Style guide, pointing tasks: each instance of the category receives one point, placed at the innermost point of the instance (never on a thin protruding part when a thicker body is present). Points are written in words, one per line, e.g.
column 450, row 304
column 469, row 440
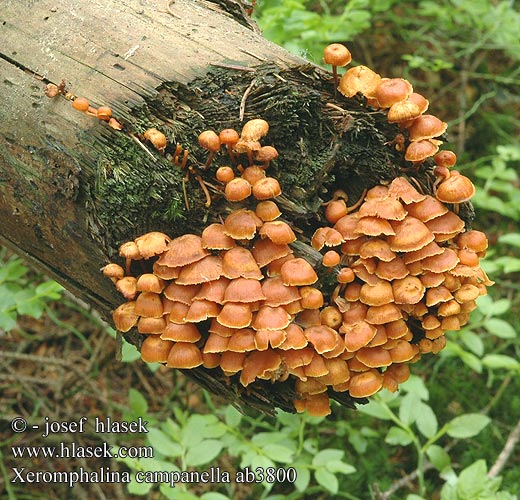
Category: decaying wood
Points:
column 72, row 189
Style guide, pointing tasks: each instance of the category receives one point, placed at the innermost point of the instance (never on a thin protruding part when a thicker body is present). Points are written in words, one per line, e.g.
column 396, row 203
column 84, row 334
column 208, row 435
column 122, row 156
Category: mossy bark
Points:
column 73, row 189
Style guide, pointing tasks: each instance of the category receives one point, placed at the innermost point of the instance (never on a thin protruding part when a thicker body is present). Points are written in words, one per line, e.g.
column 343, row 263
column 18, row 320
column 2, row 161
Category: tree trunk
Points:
column 73, row 189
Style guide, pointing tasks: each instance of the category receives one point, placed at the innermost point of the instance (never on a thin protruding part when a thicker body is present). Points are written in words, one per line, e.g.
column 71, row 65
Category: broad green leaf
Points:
column 49, row 289
column 193, row 431
column 326, row 479
column 500, row 328
column 471, row 360
column 398, row 437
column 472, row 480
column 263, row 438
column 323, row 456
column 338, row 466
column 438, row 457
column 136, row 488
column 466, row 426
column 303, row 477
column 496, row 361
column 7, row 320
column 162, row 443
column 416, row 386
column 408, row 411
column 375, row 409
column 278, row 453
column 203, row 452
column 129, row 353
column 232, row 416
column 426, row 421
column 137, row 402
column 473, row 342
column 510, row 239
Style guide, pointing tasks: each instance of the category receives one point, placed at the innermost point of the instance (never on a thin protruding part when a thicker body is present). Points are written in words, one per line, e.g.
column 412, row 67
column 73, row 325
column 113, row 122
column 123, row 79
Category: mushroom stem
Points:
column 208, row 161
column 358, row 203
column 231, row 154
column 335, row 75
column 205, row 189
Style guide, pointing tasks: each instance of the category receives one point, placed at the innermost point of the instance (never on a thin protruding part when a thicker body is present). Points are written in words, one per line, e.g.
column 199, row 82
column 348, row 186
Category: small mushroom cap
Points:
column 455, row 189
column 224, row 174
column 278, row 232
column 420, row 101
column 379, row 315
column 182, row 251
column 184, row 355
column 271, row 318
column 253, row 174
column 243, row 290
column 445, row 158
column 153, row 243
column 392, row 90
column 365, row 384
column 212, row 290
column 149, row 304
column 410, row 234
column 295, row 338
column 418, row 151
column 408, row 290
column 442, row 262
column 266, row 154
column 374, row 226
column 437, row 295
column 229, row 136
column 232, row 362
column 359, row 79
column 347, row 226
column 426, row 127
column 265, row 251
column 178, row 312
column 403, row 351
column 207, row 269
column 315, row 406
column 201, row 310
column 278, row 294
column 323, row 338
column 181, row 293
column 214, row 238
column 125, row 317
column 254, row 130
column 266, row 338
column 148, row 325
column 242, row 224
column 474, row 240
column 130, row 250
column 242, row 340
column 237, row 189
column 165, row 272
column 376, row 295
column 376, row 247
column 311, row 298
column 374, row 357
column 429, row 250
column 215, row 343
column 266, row 188
column 235, row 315
column 388, row 208
column 331, row 258
column 187, row 332
column 155, row 350
column 335, row 210
column 258, row 364
column 157, row 138
column 326, row 236
column 400, row 188
column 239, row 262
column 113, row 271
column 267, row 210
column 298, row 272
column 127, row 287
column 337, row 54
column 446, row 224
column 427, row 209
column 403, row 111
column 209, row 140
column 149, row 282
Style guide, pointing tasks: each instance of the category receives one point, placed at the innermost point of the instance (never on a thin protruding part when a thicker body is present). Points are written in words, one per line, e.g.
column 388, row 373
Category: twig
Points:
column 385, row 495
column 169, row 10
column 141, row 145
column 252, row 54
column 244, row 99
column 506, row 452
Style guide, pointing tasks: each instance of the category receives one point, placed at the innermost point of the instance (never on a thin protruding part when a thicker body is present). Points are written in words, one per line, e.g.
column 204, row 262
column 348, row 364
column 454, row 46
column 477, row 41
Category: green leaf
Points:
column 473, row 342
column 203, row 452
column 472, row 480
column 327, row 480
column 414, row 497
column 136, row 488
column 137, row 402
column 263, row 438
column 338, row 466
column 471, row 360
column 7, row 320
column 416, row 386
column 510, row 239
column 375, row 409
column 232, row 416
column 500, row 328
column 129, row 353
column 408, row 411
column 398, row 437
column 466, row 426
column 496, row 361
column 438, row 457
column 426, row 421
column 278, row 453
column 50, row 290
column 213, row 496
column 324, row 456
column 303, row 477
column 162, row 443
